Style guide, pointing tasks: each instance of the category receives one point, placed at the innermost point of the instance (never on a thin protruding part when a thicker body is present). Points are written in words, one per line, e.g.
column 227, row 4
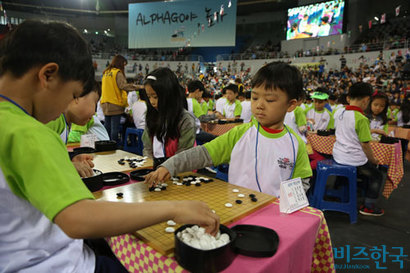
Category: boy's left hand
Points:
column 83, row 163
column 84, row 158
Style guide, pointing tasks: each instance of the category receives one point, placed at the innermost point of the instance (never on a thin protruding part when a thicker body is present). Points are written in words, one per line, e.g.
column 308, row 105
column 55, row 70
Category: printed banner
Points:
column 182, row 23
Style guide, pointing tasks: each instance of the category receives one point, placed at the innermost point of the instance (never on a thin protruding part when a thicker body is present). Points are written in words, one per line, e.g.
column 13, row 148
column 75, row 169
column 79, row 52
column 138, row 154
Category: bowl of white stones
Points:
column 198, row 251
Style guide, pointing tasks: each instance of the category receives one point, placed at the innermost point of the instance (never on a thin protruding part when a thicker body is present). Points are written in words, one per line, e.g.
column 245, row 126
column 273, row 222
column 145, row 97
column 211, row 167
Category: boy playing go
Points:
column 232, row 108
column 318, row 116
column 46, row 210
column 352, row 145
column 261, row 153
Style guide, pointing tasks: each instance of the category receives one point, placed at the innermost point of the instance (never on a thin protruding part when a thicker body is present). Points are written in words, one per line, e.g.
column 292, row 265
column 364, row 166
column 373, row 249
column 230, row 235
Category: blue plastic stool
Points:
column 136, row 145
column 347, row 194
column 222, row 172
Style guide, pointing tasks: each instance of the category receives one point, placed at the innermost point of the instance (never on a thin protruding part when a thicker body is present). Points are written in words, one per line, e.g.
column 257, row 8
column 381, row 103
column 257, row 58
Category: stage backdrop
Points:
column 182, row 23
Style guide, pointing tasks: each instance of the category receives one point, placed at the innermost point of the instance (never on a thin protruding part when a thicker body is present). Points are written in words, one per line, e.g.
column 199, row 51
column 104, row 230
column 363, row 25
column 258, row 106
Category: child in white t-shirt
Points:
column 246, row 108
column 376, row 112
column 352, row 145
column 262, row 153
column 319, row 117
column 232, row 108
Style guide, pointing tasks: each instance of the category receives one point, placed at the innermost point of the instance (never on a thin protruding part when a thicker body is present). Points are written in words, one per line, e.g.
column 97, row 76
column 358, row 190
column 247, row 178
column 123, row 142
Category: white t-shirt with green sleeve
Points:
column 323, row 119
column 37, row 181
column 352, row 128
column 377, row 123
column 296, row 119
column 232, row 110
column 274, row 153
column 195, row 109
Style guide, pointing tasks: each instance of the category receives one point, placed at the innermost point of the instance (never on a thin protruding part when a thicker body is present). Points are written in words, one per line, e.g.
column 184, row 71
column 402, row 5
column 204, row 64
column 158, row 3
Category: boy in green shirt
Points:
column 262, row 153
column 46, row 208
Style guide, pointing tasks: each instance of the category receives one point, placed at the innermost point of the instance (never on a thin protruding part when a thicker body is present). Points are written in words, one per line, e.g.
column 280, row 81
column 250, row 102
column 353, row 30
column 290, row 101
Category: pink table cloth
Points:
column 304, row 246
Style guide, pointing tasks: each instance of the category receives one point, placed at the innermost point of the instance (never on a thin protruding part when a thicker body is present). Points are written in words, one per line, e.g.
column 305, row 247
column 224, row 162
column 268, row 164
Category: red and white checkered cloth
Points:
column 387, row 154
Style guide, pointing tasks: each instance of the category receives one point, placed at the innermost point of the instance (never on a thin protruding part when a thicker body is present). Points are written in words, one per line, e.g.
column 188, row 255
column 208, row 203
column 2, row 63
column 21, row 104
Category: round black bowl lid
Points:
column 255, row 241
column 114, row 178
column 84, row 150
column 138, row 175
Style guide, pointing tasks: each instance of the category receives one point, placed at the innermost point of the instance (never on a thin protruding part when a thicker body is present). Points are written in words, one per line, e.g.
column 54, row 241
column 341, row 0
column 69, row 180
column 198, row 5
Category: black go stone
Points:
column 163, row 188
column 252, row 195
column 254, row 199
column 198, row 184
column 152, row 188
column 238, row 201
column 120, row 194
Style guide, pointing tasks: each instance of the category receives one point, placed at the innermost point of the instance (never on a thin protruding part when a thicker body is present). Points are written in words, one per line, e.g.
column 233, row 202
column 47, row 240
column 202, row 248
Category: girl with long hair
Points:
column 169, row 128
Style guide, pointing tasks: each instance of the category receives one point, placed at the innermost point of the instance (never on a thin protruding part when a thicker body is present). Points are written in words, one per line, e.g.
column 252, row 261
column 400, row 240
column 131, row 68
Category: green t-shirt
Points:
column 197, row 109
column 35, row 163
column 77, row 131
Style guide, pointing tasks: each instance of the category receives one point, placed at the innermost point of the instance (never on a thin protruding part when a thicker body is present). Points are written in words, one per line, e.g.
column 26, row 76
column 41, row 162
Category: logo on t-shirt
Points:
column 285, row 163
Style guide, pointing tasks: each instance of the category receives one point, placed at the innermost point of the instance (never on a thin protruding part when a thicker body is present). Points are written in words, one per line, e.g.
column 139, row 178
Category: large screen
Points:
column 182, row 23
column 316, row 20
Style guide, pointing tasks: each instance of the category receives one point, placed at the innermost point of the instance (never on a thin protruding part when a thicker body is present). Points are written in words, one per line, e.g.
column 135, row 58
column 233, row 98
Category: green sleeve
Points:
column 57, row 125
column 331, row 124
column 238, row 108
column 302, row 168
column 211, row 105
column 389, row 113
column 300, row 116
column 220, row 148
column 38, row 169
column 188, row 132
column 204, row 107
column 196, row 108
column 386, row 128
column 362, row 127
column 77, row 131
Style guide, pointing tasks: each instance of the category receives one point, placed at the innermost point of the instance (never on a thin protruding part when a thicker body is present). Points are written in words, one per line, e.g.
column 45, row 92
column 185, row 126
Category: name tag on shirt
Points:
column 88, row 140
column 292, row 196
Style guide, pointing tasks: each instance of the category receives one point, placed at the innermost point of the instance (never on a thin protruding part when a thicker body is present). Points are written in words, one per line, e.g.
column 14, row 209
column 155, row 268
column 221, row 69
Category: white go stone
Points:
column 228, row 205
column 171, row 223
column 197, row 238
column 164, row 184
column 169, row 229
column 241, row 195
column 157, row 189
column 235, row 190
column 213, row 211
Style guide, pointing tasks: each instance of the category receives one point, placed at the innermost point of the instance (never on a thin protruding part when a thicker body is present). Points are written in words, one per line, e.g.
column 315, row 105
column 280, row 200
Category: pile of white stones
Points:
column 196, row 237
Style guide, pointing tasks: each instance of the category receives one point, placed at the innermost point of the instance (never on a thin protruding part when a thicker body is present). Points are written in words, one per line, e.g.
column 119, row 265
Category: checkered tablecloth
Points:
column 218, row 129
column 387, row 154
column 137, row 256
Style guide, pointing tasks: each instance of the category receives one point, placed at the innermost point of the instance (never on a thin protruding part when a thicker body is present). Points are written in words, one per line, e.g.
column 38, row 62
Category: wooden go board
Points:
column 108, row 161
column 216, row 194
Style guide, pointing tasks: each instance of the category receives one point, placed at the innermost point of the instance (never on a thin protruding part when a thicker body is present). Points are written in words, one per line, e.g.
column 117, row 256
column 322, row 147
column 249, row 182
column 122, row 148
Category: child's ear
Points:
column 47, row 73
column 292, row 105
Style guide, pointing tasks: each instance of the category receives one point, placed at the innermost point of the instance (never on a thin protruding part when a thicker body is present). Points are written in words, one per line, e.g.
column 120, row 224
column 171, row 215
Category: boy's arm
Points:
column 367, row 149
column 92, row 219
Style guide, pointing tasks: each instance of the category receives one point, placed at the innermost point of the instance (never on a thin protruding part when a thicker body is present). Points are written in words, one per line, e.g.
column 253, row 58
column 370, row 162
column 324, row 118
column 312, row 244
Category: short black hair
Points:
column 282, row 76
column 360, row 90
column 332, row 97
column 35, row 43
column 232, row 87
column 248, row 95
column 194, row 85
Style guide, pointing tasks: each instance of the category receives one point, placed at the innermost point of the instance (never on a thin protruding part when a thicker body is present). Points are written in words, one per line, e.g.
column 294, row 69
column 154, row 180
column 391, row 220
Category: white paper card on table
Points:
column 292, row 196
column 88, row 140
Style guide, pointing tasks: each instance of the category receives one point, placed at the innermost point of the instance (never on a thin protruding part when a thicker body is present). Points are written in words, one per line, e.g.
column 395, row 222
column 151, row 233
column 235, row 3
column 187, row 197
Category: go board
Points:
column 216, row 194
column 108, row 161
